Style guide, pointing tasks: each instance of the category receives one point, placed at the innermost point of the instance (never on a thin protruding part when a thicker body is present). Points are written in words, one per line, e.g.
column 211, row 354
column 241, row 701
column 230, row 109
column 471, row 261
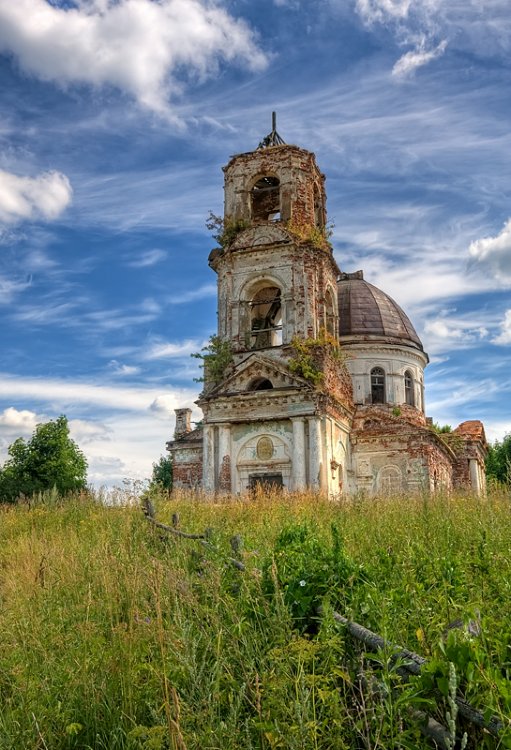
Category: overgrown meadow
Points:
column 116, row 634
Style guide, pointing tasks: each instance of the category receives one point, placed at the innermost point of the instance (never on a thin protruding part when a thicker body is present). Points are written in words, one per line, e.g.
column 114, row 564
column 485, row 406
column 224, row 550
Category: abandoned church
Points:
column 316, row 377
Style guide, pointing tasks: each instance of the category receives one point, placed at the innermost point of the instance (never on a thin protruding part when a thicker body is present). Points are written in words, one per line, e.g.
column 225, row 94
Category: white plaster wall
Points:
column 395, row 361
column 337, row 458
column 244, row 439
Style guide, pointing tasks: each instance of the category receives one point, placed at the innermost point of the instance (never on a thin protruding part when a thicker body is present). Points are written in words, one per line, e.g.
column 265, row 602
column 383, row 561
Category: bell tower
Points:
column 277, row 277
column 266, row 418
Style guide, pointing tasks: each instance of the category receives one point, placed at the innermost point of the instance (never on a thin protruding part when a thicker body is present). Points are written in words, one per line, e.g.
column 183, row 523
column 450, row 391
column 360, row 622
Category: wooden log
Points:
column 171, row 530
column 149, row 513
column 412, row 664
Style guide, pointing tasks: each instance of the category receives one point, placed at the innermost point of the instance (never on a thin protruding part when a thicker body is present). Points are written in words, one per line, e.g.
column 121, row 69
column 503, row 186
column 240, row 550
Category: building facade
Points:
column 316, row 377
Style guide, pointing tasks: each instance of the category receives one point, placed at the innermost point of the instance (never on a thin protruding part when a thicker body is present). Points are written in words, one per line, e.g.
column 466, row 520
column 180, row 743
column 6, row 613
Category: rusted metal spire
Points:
column 273, row 139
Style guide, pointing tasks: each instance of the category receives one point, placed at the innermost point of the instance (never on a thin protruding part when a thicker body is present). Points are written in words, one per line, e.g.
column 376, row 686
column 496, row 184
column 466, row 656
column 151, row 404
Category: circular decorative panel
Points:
column 264, row 449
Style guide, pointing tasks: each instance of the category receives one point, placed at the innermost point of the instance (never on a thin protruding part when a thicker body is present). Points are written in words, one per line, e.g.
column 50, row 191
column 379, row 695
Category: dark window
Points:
column 266, row 318
column 260, row 384
column 409, row 394
column 266, row 199
column 377, row 385
column 265, row 481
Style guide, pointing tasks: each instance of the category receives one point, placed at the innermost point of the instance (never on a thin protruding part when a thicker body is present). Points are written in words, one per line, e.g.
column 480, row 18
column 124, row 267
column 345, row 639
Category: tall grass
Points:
column 114, row 635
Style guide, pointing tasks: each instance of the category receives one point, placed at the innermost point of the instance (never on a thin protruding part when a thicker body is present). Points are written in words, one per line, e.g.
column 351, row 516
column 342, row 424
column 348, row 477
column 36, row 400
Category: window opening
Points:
column 260, row 384
column 409, row 395
column 266, row 318
column 377, row 385
column 265, row 482
column 266, row 199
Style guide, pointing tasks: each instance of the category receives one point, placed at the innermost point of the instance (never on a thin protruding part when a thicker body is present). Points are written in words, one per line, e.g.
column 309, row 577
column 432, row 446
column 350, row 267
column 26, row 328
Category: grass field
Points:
column 114, row 634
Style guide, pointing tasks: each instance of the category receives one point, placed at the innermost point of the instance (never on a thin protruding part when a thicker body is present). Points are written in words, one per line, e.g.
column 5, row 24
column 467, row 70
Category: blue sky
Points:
column 115, row 119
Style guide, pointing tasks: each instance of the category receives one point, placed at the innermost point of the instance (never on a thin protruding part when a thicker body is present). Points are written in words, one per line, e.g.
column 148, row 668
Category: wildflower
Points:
column 302, row 583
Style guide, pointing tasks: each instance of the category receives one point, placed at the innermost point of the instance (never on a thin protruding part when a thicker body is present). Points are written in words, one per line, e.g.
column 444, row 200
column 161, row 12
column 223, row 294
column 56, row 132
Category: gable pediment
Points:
column 255, row 368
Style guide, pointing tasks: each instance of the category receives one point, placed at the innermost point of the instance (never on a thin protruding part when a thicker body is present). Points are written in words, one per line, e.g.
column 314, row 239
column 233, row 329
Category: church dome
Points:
column 366, row 313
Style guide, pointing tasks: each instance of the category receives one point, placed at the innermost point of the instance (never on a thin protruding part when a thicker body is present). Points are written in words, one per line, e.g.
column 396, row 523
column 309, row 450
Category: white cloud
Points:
column 169, row 350
column 147, row 259
column 504, row 337
column 163, row 407
column 381, row 11
column 444, row 335
column 120, row 369
column 445, row 330
column 65, row 392
column 495, row 252
column 18, row 422
column 428, row 25
column 410, row 61
column 126, row 435
column 141, row 47
column 29, row 198
column 9, row 288
column 206, row 290
column 85, row 431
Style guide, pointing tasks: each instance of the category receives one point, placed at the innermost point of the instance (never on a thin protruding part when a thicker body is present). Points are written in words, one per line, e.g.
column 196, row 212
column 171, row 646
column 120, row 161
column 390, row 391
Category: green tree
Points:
column 162, row 473
column 498, row 460
column 49, row 459
column 216, row 359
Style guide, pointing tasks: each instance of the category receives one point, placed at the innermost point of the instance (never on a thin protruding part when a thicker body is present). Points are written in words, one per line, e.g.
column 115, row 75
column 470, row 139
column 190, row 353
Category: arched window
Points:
column 377, row 385
column 260, row 384
column 266, row 318
column 265, row 198
column 409, row 390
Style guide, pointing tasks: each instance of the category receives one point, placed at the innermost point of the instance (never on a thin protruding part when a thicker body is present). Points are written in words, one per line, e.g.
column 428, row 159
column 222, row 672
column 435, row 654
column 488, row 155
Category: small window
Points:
column 260, row 384
column 266, row 318
column 377, row 385
column 265, row 197
column 409, row 391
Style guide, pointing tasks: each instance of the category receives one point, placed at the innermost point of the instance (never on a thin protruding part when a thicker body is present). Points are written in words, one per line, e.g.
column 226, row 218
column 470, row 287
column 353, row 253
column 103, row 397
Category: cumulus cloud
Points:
column 28, row 198
column 66, row 392
column 85, row 431
column 22, row 423
column 504, row 337
column 446, row 330
column 163, row 406
column 18, row 422
column 410, row 61
column 495, row 253
column 141, row 47
column 444, row 335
